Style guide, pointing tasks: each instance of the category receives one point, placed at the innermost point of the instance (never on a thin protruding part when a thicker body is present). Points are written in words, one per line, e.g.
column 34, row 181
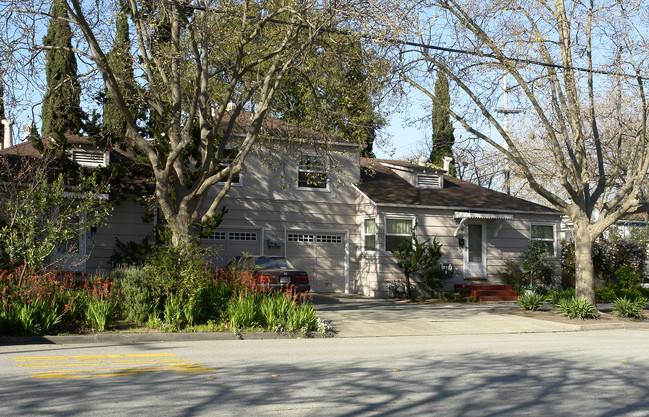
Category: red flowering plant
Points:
column 33, row 303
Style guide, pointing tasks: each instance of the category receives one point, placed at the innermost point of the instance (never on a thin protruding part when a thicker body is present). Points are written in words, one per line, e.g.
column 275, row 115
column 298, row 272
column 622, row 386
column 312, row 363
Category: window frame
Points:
column 226, row 162
column 366, row 235
column 540, row 239
column 324, row 172
column 386, row 234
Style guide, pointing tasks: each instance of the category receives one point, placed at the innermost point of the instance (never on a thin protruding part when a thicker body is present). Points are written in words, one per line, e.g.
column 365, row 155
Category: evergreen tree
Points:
column 61, row 111
column 2, row 108
column 332, row 93
column 443, row 138
column 121, row 62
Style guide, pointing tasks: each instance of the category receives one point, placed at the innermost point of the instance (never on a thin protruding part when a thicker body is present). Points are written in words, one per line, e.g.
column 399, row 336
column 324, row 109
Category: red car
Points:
column 273, row 272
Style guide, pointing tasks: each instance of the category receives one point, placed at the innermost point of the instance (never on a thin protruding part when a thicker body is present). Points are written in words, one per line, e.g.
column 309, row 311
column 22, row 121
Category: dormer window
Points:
column 430, row 181
column 91, row 158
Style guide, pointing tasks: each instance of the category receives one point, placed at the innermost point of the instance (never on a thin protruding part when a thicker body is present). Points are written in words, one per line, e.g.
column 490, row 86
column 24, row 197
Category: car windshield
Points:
column 272, row 263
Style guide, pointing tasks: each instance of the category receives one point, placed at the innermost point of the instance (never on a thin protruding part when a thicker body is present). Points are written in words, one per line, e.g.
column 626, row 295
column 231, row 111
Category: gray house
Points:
column 311, row 198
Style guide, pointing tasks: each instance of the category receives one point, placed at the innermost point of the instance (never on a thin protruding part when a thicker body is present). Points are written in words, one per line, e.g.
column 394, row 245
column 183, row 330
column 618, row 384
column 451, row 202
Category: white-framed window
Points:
column 369, row 235
column 226, row 161
column 544, row 233
column 312, row 172
column 398, row 231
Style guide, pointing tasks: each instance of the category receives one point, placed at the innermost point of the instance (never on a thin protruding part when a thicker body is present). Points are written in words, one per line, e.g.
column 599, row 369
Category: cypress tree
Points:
column 443, row 138
column 61, row 111
column 121, row 63
column 2, row 108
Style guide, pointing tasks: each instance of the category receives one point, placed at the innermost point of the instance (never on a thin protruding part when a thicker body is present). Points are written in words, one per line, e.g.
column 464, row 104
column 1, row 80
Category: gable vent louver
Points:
column 89, row 158
column 429, row 181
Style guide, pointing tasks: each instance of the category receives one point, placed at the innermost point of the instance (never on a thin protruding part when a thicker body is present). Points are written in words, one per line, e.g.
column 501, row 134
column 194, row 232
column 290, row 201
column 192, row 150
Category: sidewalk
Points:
column 356, row 316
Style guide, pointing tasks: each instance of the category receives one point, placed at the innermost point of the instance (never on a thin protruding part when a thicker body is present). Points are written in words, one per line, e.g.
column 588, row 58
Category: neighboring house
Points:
column 311, row 198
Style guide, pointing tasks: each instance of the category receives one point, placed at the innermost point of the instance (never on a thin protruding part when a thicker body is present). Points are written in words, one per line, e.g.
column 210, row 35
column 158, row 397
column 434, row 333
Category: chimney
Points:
column 8, row 133
column 27, row 132
column 422, row 161
column 447, row 164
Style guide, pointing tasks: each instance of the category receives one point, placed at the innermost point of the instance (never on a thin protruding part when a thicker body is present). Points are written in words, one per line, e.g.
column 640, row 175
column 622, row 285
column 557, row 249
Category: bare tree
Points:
column 202, row 65
column 577, row 70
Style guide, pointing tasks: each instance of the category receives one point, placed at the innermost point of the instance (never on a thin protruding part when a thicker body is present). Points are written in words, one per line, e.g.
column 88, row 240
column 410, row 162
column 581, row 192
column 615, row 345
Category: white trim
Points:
column 412, row 219
column 483, row 245
column 554, row 234
column 364, row 195
column 325, row 160
column 301, row 140
column 363, row 234
column 451, row 208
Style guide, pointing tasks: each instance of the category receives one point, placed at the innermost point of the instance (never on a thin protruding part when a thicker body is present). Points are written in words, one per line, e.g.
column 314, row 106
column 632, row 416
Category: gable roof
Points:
column 278, row 128
column 384, row 187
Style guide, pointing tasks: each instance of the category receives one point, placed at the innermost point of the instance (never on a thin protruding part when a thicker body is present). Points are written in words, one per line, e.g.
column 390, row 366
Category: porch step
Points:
column 488, row 292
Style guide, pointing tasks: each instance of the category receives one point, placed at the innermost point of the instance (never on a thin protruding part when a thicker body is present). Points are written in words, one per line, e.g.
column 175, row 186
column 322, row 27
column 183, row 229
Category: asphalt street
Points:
column 587, row 373
column 386, row 358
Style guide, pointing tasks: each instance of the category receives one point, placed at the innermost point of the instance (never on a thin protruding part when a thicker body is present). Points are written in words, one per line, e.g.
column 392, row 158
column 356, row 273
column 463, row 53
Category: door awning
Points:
column 463, row 216
column 486, row 216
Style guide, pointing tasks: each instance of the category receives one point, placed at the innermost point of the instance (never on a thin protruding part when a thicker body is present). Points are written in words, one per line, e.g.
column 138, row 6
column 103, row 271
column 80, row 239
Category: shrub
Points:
column 630, row 307
column 554, row 297
column 173, row 312
column 275, row 309
column 433, row 279
column 536, row 265
column 528, row 301
column 244, row 310
column 302, row 318
column 511, row 274
column 101, row 302
column 577, row 308
column 608, row 259
column 138, row 293
column 33, row 303
column 99, row 313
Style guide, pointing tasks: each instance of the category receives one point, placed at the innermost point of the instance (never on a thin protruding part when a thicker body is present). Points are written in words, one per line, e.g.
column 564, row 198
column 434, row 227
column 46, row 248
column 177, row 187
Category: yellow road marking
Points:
column 100, row 366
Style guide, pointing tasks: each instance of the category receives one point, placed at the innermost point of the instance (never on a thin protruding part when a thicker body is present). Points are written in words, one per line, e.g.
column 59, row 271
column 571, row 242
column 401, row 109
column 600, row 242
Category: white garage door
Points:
column 322, row 256
column 234, row 242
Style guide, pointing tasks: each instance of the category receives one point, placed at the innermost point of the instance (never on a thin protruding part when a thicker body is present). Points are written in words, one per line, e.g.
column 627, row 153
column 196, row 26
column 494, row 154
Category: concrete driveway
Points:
column 356, row 316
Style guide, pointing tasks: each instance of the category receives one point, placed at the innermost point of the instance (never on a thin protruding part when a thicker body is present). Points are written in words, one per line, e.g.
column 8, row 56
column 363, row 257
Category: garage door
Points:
column 234, row 242
column 322, row 256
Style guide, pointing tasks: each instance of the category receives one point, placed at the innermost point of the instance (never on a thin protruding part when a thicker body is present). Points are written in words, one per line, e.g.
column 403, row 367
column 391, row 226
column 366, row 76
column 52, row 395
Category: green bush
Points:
column 302, row 318
column 99, row 313
column 577, row 308
column 555, row 296
column 630, row 307
column 275, row 309
column 511, row 274
column 529, row 301
column 244, row 311
column 138, row 293
column 532, row 269
column 173, row 312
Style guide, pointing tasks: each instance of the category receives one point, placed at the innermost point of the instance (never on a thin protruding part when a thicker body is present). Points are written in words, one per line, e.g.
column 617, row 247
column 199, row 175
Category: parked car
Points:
column 272, row 272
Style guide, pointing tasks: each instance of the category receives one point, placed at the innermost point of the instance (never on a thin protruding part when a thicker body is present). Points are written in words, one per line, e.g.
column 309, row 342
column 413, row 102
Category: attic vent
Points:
column 89, row 158
column 429, row 181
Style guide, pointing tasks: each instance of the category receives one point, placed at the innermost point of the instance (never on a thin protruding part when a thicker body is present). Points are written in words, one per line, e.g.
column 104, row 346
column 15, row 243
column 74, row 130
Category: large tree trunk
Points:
column 585, row 271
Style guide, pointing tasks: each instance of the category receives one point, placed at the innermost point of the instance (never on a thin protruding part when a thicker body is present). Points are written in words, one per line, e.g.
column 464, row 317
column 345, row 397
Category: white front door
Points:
column 475, row 251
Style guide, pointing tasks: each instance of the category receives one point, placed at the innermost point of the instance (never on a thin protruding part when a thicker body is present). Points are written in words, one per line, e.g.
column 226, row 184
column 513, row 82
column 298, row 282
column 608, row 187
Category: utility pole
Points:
column 506, row 111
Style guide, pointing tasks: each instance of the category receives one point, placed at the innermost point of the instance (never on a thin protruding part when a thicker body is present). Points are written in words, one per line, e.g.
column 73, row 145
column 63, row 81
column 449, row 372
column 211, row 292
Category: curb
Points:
column 126, row 338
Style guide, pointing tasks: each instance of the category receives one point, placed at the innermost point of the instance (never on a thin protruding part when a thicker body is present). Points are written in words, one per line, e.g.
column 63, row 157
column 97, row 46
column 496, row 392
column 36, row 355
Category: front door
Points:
column 475, row 251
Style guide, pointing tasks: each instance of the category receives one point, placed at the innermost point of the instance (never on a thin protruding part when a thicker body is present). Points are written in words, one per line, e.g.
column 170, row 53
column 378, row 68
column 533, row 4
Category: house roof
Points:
column 280, row 129
column 384, row 187
column 28, row 150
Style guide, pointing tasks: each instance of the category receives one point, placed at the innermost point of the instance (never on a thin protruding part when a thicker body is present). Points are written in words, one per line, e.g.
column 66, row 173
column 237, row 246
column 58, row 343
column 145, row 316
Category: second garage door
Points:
column 322, row 256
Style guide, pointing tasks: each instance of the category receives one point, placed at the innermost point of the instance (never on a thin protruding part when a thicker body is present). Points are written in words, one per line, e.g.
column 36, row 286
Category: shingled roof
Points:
column 384, row 187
